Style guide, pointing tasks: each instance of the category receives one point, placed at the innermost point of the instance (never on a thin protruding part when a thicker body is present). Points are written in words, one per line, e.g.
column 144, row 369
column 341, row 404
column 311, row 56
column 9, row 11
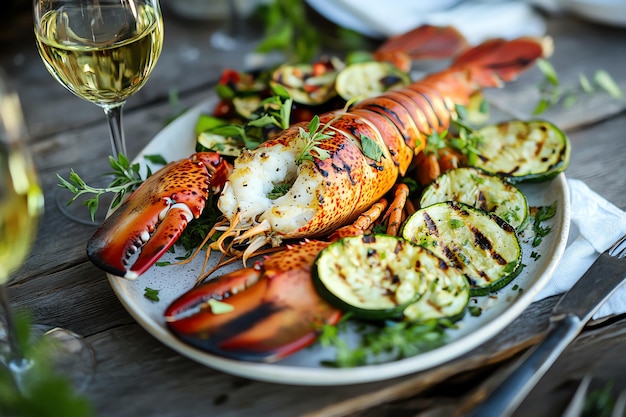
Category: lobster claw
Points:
column 262, row 314
column 150, row 221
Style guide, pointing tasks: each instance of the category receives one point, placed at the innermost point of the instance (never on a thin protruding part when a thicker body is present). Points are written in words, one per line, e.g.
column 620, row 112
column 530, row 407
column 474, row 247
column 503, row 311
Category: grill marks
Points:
column 474, row 241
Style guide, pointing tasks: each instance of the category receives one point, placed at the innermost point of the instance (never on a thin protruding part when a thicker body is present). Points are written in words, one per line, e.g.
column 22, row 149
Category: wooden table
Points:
column 138, row 376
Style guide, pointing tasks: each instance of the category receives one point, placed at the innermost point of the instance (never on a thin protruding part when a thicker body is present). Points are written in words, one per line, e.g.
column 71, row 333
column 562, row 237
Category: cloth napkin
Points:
column 476, row 20
column 595, row 225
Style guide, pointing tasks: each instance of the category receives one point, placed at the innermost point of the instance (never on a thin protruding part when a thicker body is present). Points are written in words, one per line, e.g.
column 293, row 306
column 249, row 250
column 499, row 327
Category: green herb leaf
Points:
column 126, row 178
column 543, row 213
column 278, row 191
column 151, row 294
column 370, row 148
column 548, row 71
column 220, row 307
column 155, row 159
column 394, row 340
column 309, row 140
column 606, row 82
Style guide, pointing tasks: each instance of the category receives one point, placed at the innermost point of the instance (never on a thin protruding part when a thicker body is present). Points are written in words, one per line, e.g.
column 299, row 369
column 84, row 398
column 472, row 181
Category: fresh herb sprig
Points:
column 310, row 140
column 126, row 177
column 540, row 231
column 553, row 92
column 272, row 111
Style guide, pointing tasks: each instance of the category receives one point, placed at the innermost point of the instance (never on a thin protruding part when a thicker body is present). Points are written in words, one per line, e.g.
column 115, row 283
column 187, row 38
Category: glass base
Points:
column 72, row 357
column 55, row 355
column 79, row 212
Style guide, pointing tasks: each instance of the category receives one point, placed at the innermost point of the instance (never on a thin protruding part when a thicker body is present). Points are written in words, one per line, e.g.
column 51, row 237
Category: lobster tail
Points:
column 424, row 42
column 496, row 61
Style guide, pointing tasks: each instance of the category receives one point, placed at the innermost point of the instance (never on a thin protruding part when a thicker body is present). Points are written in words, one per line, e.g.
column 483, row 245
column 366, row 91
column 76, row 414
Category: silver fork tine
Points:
column 577, row 403
column 620, row 405
column 618, row 249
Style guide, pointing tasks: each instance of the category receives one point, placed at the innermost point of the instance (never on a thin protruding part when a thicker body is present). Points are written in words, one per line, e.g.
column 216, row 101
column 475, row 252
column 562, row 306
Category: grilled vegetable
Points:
column 531, row 151
column 481, row 244
column 479, row 189
column 310, row 84
column 369, row 79
column 382, row 276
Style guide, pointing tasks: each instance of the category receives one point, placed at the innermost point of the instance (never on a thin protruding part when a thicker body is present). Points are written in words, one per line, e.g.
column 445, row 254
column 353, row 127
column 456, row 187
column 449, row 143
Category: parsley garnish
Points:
column 151, row 294
column 278, row 191
column 390, row 341
column 543, row 213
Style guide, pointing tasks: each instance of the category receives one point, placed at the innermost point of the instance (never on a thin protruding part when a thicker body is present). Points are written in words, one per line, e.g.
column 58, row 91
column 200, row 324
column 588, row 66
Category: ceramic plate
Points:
column 177, row 141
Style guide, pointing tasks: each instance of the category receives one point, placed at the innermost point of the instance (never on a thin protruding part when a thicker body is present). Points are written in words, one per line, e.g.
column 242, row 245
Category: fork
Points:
column 506, row 391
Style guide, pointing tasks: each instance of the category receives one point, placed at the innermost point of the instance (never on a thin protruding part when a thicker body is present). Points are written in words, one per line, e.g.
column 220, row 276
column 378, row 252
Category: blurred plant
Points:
column 600, row 402
column 553, row 92
column 288, row 29
column 41, row 392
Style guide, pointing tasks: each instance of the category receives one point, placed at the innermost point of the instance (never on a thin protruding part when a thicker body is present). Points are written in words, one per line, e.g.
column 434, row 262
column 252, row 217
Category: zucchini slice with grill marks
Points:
column 386, row 277
column 479, row 189
column 481, row 244
column 531, row 151
column 369, row 79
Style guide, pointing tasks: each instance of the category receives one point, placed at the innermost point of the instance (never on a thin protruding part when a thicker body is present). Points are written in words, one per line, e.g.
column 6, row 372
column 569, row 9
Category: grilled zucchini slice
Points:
column 523, row 151
column 481, row 244
column 386, row 277
column 369, row 79
column 479, row 189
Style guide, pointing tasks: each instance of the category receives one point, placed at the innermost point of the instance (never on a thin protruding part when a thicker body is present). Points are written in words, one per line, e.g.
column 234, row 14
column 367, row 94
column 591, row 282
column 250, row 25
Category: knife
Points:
column 503, row 393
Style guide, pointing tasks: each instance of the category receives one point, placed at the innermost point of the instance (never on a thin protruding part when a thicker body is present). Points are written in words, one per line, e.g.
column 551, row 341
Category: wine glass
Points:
column 231, row 35
column 21, row 205
column 103, row 51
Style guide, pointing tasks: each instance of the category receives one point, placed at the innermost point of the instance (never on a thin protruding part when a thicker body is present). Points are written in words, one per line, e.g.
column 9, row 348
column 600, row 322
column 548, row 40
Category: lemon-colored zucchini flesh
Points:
column 382, row 277
column 523, row 150
column 482, row 245
column 479, row 189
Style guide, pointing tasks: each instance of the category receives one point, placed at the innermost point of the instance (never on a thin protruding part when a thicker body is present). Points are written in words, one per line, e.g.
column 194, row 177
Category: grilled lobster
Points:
column 272, row 308
column 325, row 193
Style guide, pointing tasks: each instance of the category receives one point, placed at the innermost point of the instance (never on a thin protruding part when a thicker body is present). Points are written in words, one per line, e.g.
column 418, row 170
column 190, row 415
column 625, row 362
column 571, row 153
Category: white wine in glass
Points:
column 103, row 51
column 21, row 205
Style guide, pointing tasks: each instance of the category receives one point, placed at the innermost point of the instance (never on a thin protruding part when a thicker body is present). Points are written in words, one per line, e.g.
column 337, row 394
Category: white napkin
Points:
column 595, row 225
column 476, row 20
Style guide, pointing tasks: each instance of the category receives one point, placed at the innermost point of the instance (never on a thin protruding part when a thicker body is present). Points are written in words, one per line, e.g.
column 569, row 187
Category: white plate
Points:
column 177, row 141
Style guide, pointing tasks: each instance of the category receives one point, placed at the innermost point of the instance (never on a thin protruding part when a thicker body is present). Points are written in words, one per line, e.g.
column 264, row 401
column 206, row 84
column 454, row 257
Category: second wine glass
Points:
column 103, row 51
column 21, row 206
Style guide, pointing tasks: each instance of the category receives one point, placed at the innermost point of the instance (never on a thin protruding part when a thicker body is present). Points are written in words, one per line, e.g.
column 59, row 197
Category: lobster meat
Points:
column 324, row 193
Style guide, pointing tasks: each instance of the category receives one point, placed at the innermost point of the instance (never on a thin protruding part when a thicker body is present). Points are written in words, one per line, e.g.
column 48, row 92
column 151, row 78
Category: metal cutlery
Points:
column 502, row 394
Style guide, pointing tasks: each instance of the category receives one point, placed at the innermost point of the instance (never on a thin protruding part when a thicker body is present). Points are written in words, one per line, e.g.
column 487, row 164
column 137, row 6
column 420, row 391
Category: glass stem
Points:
column 114, row 117
column 15, row 361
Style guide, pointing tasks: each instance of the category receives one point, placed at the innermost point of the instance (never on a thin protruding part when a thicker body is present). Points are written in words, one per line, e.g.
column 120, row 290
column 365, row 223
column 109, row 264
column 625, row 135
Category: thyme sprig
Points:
column 126, row 177
column 308, row 141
